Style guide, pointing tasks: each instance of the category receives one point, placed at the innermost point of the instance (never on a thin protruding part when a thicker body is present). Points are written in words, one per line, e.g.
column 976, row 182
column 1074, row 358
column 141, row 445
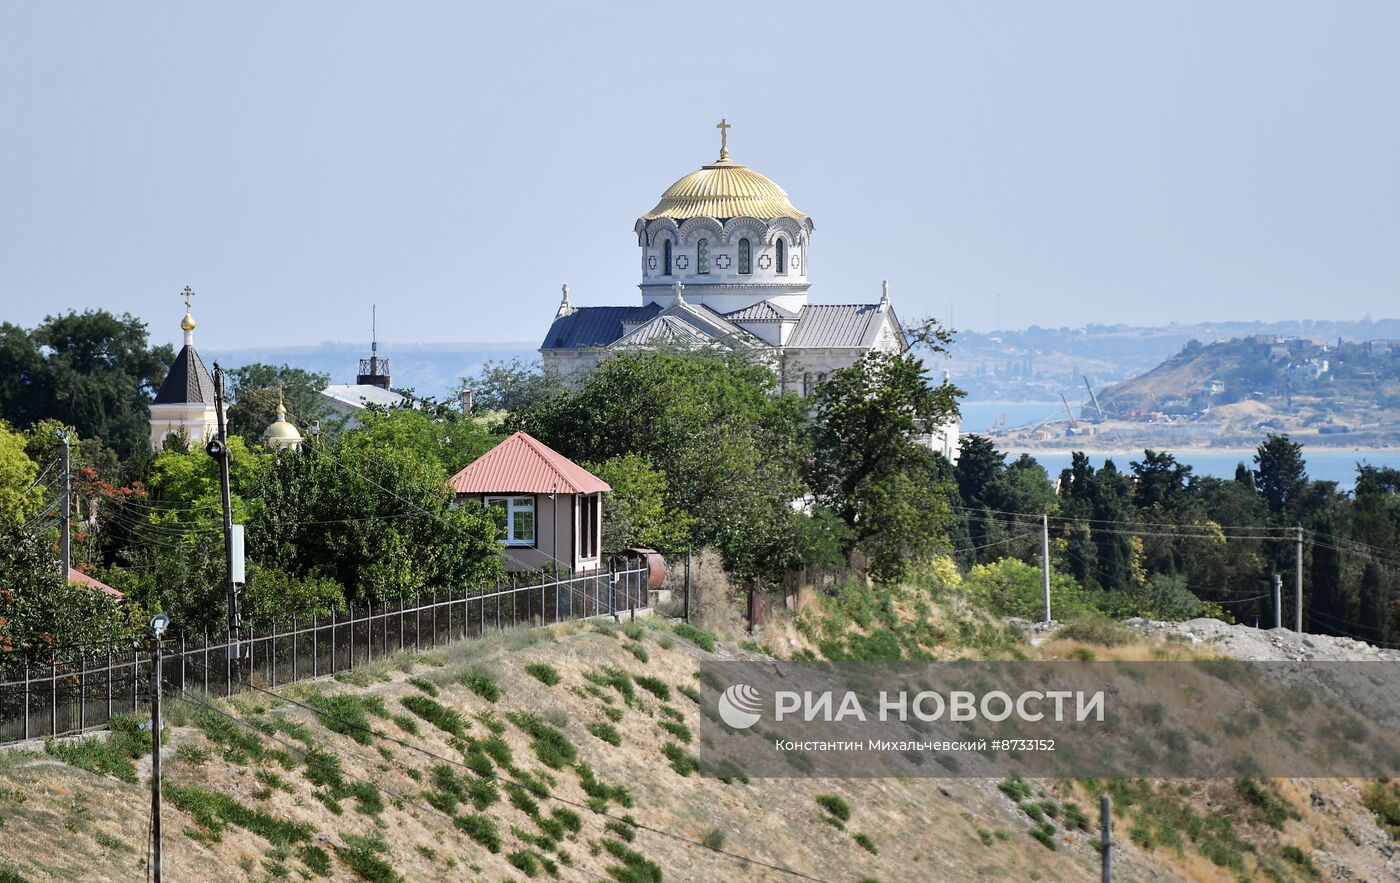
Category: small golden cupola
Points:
column 282, row 435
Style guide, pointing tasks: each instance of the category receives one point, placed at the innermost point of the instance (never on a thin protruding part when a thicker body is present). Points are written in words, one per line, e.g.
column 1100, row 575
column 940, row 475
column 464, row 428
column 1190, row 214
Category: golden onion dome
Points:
column 724, row 189
column 282, row 431
column 187, row 323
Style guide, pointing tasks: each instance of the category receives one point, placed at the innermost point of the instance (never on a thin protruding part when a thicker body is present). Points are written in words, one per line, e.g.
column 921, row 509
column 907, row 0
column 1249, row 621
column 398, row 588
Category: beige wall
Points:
column 548, row 546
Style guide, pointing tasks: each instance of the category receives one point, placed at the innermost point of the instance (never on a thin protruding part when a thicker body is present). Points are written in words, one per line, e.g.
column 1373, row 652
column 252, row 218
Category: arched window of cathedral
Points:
column 702, row 256
column 666, row 258
column 745, row 257
column 780, row 255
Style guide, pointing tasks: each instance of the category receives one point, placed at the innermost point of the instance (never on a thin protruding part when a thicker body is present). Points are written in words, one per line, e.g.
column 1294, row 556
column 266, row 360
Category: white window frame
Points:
column 513, row 505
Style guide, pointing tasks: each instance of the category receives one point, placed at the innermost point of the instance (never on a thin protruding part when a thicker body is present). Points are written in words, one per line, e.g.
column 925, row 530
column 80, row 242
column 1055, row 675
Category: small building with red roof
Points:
column 82, row 579
column 551, row 508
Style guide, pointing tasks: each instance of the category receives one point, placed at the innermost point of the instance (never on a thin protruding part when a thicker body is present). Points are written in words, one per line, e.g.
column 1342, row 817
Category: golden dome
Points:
column 724, row 189
column 282, row 433
column 187, row 323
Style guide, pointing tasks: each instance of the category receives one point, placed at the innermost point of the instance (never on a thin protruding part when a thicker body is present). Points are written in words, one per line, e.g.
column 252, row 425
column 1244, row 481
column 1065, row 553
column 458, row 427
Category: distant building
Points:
column 372, row 387
column 282, row 435
column 724, row 258
column 184, row 405
column 551, row 508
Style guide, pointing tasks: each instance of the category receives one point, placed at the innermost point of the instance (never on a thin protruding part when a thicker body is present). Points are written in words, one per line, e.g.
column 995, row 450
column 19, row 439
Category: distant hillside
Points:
column 1341, row 385
column 1038, row 364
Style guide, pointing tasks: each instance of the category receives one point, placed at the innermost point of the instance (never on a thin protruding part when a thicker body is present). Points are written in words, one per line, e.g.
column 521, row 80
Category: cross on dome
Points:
column 724, row 126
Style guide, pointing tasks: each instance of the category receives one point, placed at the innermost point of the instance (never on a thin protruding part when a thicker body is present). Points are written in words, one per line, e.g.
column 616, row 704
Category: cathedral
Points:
column 725, row 257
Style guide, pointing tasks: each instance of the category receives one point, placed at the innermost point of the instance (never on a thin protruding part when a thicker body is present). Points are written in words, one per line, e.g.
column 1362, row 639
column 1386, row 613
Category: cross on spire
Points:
column 188, row 293
column 724, row 126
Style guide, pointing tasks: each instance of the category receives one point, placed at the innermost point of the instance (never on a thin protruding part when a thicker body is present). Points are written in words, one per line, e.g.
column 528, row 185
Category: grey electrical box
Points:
column 239, row 574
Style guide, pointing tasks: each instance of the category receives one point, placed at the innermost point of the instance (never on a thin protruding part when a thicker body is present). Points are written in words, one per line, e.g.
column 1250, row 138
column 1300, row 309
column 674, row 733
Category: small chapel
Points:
column 724, row 261
column 184, row 404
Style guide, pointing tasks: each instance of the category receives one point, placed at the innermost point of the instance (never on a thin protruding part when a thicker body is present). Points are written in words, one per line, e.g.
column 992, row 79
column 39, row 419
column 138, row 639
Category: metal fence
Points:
column 66, row 697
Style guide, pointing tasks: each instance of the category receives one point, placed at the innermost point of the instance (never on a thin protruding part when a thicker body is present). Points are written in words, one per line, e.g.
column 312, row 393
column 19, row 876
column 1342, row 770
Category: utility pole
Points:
column 1298, row 576
column 218, row 449
column 65, row 518
column 1278, row 601
column 1045, row 560
column 158, row 626
column 1106, row 835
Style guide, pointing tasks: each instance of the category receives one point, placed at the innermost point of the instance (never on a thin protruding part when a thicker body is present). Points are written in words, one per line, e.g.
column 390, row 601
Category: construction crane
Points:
column 1093, row 398
column 1072, row 423
column 997, row 425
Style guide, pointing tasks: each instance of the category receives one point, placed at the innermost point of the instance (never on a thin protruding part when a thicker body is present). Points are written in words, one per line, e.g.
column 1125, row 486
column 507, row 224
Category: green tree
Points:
column 511, row 386
column 42, row 616
column 635, row 512
column 1280, row 474
column 92, row 370
column 255, row 390
column 867, row 467
column 20, row 496
column 435, row 433
column 378, row 520
column 730, row 446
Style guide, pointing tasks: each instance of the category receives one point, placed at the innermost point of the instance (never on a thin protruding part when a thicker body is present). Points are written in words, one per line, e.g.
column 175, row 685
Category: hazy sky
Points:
column 454, row 162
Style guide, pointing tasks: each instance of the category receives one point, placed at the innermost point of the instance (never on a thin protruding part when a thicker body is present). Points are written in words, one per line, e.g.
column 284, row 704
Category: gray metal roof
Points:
column 688, row 323
column 187, row 382
column 763, row 311
column 594, row 326
column 359, row 395
column 835, row 325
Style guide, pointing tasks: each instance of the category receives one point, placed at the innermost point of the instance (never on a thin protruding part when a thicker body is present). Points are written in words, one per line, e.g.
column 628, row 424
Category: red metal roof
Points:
column 77, row 576
column 525, row 465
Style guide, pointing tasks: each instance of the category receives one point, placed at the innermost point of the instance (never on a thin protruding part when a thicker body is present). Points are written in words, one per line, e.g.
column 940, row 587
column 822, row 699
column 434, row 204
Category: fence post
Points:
column 400, row 622
column 109, row 684
column 206, row 661
column 26, row 696
column 295, row 636
column 53, row 695
column 272, row 654
column 252, row 652
column 333, row 654
column 435, row 633
column 369, row 633
column 418, row 622
column 557, row 617
column 82, row 692
column 351, row 666
column 315, row 633
column 687, row 584
column 135, row 684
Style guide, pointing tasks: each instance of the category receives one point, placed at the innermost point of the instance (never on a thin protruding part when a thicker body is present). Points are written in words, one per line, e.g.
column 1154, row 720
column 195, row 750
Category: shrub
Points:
column 361, row 854
column 654, row 686
column 635, row 867
column 835, row 805
column 682, row 761
column 689, row 692
column 699, row 637
column 867, row 844
column 677, row 729
column 425, row 685
column 1014, row 788
column 640, row 652
column 237, row 743
column 479, row 828
column 525, row 862
column 544, row 673
column 1096, row 630
column 1265, row 805
column 195, row 754
column 599, row 792
column 714, row 838
column 482, row 684
column 551, row 746
column 1011, row 587
column 449, row 720
column 323, row 768
column 94, row 754
column 626, row 830
column 215, row 811
column 316, row 859
column 1383, row 799
column 343, row 713
column 605, row 731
